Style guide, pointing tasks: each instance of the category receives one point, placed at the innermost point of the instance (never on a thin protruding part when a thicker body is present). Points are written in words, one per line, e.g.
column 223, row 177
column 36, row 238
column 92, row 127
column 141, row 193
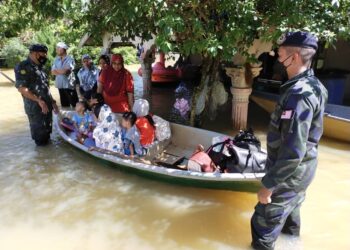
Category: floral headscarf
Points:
column 107, row 133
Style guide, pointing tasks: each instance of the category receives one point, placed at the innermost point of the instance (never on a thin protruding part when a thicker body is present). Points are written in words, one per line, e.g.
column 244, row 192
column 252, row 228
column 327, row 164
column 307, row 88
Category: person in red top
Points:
column 144, row 122
column 116, row 85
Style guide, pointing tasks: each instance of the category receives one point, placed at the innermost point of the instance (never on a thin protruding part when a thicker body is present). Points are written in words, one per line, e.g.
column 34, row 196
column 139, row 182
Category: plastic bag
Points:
column 163, row 131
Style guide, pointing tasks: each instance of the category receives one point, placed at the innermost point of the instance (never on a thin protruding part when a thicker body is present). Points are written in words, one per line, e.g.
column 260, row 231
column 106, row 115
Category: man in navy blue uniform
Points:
column 295, row 129
column 33, row 84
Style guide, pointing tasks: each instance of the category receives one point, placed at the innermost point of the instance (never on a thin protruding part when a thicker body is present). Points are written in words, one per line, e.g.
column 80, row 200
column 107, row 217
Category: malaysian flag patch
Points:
column 287, row 114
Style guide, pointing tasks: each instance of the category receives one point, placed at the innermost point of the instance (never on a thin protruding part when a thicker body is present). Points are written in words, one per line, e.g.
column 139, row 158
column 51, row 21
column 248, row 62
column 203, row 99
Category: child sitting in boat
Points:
column 144, row 122
column 131, row 135
column 107, row 133
column 83, row 123
column 95, row 103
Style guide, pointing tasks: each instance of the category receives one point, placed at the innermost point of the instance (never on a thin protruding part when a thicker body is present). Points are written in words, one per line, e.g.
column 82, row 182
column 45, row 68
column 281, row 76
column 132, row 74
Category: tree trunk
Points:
column 146, row 61
column 209, row 74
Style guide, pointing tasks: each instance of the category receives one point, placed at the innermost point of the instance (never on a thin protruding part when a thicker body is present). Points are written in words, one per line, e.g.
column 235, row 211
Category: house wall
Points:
column 338, row 57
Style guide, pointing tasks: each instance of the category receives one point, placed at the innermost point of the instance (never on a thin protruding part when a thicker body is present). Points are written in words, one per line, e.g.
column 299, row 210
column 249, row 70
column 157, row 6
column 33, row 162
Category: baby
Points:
column 131, row 135
column 83, row 122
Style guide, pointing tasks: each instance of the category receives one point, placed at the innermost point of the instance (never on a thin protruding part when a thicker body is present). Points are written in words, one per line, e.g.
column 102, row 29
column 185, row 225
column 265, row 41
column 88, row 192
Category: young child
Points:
column 83, row 122
column 131, row 135
column 144, row 122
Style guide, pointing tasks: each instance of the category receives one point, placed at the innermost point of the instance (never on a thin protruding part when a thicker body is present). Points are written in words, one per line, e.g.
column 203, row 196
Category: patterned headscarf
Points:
column 107, row 133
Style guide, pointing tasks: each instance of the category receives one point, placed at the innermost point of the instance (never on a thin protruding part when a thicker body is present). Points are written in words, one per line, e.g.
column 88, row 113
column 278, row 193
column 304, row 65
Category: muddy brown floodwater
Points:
column 58, row 198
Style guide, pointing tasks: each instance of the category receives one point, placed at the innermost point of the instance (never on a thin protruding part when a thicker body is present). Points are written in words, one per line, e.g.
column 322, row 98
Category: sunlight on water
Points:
column 58, row 198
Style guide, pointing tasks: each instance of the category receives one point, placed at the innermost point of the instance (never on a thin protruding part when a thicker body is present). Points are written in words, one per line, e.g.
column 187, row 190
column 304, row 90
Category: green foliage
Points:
column 13, row 51
column 77, row 53
column 48, row 37
column 211, row 28
column 129, row 54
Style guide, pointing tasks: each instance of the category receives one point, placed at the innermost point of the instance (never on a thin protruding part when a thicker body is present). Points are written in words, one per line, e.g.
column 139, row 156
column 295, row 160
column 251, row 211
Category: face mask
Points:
column 282, row 63
column 42, row 60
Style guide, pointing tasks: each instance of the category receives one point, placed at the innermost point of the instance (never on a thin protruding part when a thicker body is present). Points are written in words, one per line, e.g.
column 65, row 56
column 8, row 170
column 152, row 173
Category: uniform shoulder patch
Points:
column 23, row 72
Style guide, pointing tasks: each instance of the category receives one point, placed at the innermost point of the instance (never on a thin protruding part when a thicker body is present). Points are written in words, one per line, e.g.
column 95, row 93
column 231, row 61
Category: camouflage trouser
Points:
column 281, row 215
column 40, row 127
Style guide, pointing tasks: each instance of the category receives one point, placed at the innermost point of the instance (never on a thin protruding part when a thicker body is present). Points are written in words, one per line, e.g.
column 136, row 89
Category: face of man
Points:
column 86, row 63
column 39, row 57
column 286, row 58
column 60, row 51
column 117, row 66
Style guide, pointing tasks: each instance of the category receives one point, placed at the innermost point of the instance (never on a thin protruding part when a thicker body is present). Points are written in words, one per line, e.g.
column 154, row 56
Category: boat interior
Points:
column 170, row 153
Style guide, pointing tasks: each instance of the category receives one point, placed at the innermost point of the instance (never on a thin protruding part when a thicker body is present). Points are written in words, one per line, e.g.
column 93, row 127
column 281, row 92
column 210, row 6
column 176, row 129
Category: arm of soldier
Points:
column 28, row 94
column 294, row 133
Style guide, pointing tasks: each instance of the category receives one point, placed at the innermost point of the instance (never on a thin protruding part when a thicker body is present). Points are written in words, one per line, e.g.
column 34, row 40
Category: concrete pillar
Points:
column 240, row 101
column 241, row 80
column 146, row 60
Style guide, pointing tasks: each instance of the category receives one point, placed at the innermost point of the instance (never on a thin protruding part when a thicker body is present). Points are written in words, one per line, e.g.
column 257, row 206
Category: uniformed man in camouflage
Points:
column 33, row 84
column 294, row 132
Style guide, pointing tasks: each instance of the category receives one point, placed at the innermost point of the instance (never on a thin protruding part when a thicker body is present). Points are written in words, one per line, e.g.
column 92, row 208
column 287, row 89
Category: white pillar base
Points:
column 240, row 102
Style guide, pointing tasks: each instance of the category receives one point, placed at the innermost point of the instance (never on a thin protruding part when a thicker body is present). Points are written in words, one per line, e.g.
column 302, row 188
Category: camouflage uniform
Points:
column 295, row 129
column 32, row 76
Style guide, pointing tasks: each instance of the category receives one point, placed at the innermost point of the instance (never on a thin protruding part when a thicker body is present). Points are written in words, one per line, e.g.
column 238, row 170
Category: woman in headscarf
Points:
column 116, row 85
column 107, row 133
column 103, row 62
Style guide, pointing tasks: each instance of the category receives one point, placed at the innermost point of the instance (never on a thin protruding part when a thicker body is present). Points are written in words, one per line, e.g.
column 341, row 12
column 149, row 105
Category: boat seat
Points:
column 174, row 156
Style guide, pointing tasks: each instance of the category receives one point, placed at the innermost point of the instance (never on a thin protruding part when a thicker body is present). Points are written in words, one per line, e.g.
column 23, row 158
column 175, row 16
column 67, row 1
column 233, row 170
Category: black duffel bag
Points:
column 244, row 154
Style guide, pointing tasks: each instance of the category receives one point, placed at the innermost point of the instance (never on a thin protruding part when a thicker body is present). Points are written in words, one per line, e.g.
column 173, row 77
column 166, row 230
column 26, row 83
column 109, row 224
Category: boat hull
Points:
column 236, row 182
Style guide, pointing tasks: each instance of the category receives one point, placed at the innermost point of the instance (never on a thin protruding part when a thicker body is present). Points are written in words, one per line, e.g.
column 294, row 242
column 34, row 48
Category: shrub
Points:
column 77, row 53
column 13, row 51
column 129, row 54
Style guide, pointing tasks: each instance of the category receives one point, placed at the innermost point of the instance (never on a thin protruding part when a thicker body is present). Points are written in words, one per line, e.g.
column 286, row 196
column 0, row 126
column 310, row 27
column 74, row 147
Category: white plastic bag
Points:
column 163, row 131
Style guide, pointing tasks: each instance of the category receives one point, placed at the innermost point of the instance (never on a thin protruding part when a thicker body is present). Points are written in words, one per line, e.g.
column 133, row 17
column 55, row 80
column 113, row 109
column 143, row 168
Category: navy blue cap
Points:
column 298, row 39
column 38, row 48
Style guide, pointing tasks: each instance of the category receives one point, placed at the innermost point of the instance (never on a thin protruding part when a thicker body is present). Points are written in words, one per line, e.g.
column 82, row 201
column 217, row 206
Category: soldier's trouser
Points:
column 40, row 127
column 281, row 215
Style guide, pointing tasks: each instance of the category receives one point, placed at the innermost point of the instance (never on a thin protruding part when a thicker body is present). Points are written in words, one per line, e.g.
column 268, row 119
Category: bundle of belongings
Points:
column 242, row 154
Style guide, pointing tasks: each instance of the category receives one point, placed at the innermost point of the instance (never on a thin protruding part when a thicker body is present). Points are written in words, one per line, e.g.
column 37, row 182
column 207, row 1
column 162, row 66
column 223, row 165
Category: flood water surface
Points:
column 56, row 197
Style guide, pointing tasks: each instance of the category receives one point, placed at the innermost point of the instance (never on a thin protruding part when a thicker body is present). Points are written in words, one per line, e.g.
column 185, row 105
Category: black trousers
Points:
column 88, row 94
column 68, row 97
column 40, row 127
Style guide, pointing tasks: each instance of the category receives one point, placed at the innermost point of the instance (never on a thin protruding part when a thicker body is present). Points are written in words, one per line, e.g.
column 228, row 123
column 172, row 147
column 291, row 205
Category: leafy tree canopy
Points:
column 209, row 27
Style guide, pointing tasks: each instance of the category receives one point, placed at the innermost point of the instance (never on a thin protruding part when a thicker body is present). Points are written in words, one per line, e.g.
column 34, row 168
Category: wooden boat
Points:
column 336, row 120
column 182, row 143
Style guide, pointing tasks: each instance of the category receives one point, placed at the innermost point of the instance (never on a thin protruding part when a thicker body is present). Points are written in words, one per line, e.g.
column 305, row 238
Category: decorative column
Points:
column 146, row 60
column 241, row 80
